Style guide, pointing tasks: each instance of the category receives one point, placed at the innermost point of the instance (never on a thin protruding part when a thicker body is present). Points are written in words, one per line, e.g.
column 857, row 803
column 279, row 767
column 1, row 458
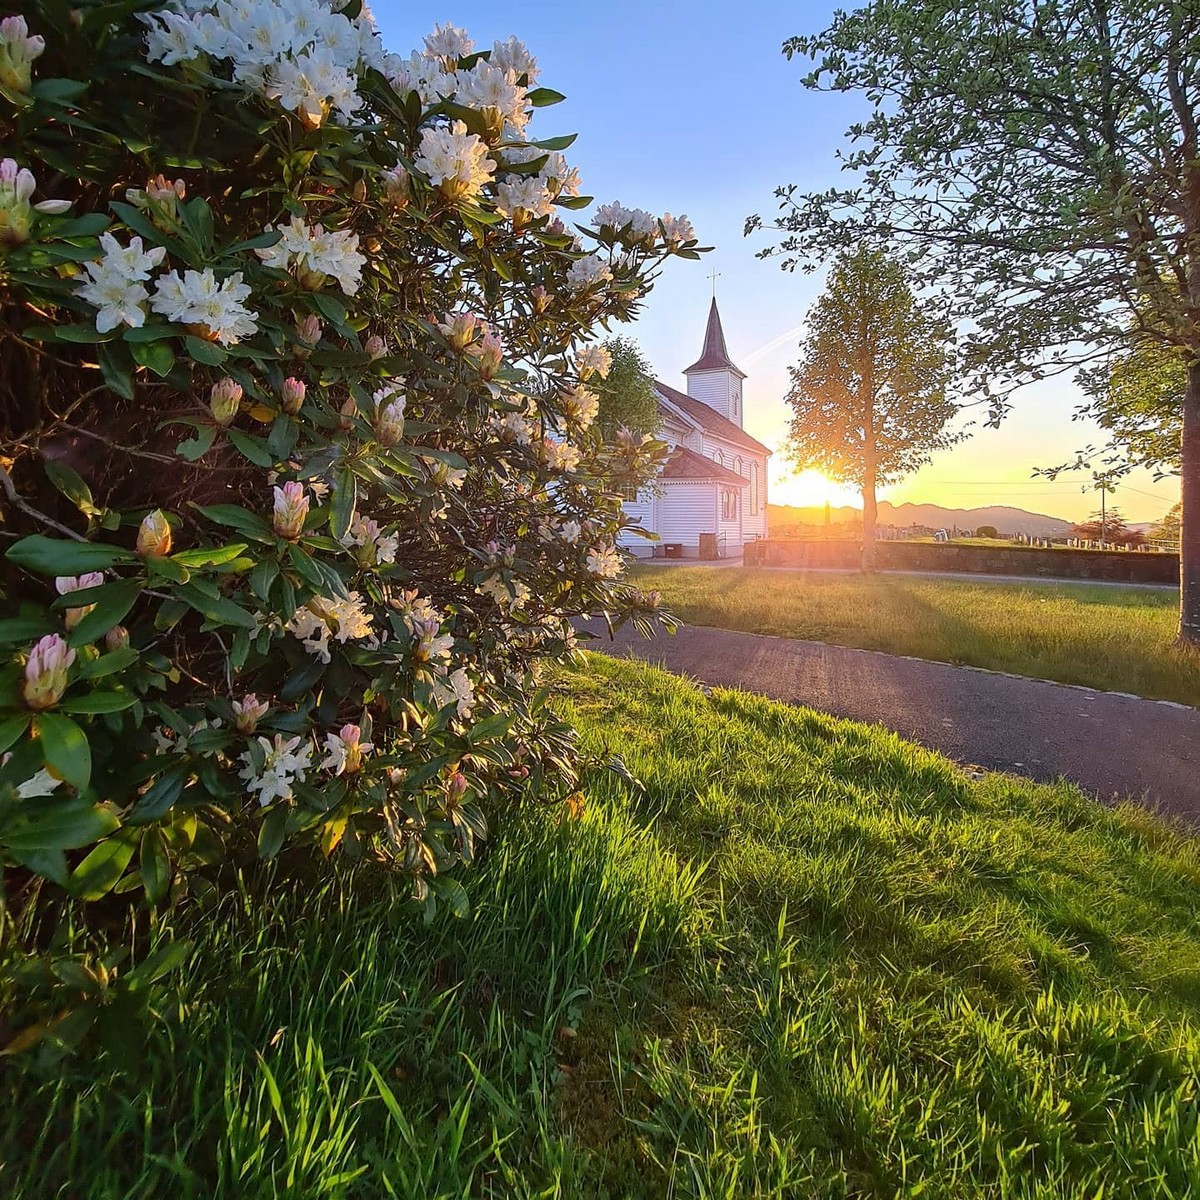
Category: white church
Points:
column 711, row 496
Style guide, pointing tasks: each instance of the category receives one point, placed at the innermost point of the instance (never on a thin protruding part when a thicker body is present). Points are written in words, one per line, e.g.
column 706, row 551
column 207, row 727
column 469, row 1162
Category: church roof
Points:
column 708, row 419
column 715, row 356
column 687, row 464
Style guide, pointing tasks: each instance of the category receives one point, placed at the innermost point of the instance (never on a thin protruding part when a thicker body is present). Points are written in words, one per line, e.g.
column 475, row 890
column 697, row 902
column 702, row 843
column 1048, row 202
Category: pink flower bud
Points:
column 308, row 334
column 248, row 711
column 225, row 400
column 17, row 52
column 457, row 788
column 65, row 584
column 488, row 355
column 347, row 413
column 46, row 672
column 154, row 535
column 389, row 424
column 375, row 347
column 291, row 511
column 16, row 187
column 291, row 395
column 540, row 298
column 397, row 186
column 461, row 329
column 117, row 638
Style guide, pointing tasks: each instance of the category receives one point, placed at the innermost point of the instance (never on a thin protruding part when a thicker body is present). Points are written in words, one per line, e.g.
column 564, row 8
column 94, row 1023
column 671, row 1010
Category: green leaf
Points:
column 542, row 97
column 215, row 607
column 495, row 726
column 271, row 832
column 242, row 519
column 108, row 664
column 58, row 89
column 87, row 225
column 251, row 447
column 160, row 795
column 149, row 333
column 11, row 728
column 56, row 556
column 71, row 486
column 155, row 865
column 65, row 749
column 155, row 356
column 454, row 894
column 199, row 444
column 200, row 351
column 55, row 823
column 211, row 556
column 119, row 598
column 345, row 497
column 161, row 962
column 116, row 373
column 99, row 702
column 98, row 874
column 14, row 630
column 332, row 309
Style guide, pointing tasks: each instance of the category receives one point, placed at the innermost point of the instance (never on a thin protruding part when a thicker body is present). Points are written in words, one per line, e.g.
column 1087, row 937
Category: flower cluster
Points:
column 637, row 227
column 315, row 256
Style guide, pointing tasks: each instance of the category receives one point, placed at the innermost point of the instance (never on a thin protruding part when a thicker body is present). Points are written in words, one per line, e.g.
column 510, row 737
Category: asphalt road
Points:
column 1110, row 744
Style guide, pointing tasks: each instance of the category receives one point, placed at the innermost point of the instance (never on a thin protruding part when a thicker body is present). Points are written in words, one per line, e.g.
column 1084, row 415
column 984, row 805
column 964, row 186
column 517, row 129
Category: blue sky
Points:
column 692, row 108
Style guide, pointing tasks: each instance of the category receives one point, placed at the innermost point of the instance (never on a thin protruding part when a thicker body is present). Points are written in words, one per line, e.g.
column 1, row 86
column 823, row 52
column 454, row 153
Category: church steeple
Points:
column 714, row 378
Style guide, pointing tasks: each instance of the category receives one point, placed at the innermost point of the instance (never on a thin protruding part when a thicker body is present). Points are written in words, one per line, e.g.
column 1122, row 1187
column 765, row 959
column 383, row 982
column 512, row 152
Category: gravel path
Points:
column 1109, row 743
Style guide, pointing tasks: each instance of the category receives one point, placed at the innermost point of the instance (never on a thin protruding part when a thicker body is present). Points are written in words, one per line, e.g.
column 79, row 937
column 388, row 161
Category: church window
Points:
column 754, row 497
column 729, row 504
column 628, row 492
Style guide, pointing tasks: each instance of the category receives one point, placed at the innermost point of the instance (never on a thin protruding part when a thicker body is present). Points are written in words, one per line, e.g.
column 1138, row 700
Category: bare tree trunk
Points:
column 870, row 511
column 1189, row 524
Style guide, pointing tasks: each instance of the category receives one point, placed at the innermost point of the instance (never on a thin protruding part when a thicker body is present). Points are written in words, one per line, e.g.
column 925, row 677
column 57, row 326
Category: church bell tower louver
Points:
column 713, row 378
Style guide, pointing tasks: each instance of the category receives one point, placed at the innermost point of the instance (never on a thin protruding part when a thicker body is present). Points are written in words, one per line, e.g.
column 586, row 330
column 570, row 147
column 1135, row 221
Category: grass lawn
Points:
column 1119, row 639
column 807, row 960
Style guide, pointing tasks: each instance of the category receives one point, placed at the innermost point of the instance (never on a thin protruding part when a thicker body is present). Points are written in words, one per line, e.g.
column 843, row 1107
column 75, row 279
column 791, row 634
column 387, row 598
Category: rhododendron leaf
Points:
column 71, row 486
column 12, row 728
column 99, row 702
column 108, row 664
column 56, row 556
column 86, row 226
column 341, row 508
column 573, row 201
column 116, row 373
column 164, row 568
column 14, row 630
column 281, row 441
column 99, row 872
column 58, row 89
column 251, row 447
column 210, row 556
column 65, row 749
column 117, row 599
column 161, row 962
column 249, row 524
column 542, row 97
column 154, row 865
column 156, row 356
column 59, row 823
column 157, row 800
column 213, row 605
column 204, row 352
column 271, row 831
column 556, row 143
column 198, row 445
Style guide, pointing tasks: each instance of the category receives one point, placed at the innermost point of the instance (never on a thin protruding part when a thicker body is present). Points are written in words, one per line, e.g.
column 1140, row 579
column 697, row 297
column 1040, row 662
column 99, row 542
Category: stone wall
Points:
column 1126, row 566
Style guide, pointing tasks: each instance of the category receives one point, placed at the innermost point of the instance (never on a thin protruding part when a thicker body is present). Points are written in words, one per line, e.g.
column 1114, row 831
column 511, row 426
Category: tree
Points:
column 627, row 397
column 1108, row 525
column 869, row 397
column 1039, row 160
column 1166, row 531
column 987, row 531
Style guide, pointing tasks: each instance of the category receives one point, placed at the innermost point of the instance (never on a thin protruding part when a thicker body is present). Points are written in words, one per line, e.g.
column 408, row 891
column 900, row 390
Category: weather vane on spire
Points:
column 714, row 277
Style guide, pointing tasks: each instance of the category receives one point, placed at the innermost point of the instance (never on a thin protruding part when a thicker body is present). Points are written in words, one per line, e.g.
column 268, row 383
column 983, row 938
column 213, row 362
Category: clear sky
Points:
column 691, row 108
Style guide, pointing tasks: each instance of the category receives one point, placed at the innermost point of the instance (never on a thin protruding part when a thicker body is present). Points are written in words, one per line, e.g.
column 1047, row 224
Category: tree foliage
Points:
column 1037, row 161
column 303, row 476
column 870, row 397
column 627, row 396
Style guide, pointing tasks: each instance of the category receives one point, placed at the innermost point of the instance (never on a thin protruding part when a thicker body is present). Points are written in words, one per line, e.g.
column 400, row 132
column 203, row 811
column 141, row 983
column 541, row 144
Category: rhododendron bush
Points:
column 301, row 478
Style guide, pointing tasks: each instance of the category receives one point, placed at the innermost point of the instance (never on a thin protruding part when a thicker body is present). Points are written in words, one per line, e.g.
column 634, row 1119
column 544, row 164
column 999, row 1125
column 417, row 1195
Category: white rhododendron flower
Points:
column 40, row 784
column 115, row 284
column 314, row 255
column 677, row 229
column 512, row 55
column 570, row 531
column 455, row 160
column 581, row 405
column 448, row 43
column 525, row 197
column 560, row 456
column 17, row 52
column 286, row 762
column 604, row 562
column 593, row 360
column 455, row 688
column 495, row 92
column 345, row 751
column 588, row 272
column 213, row 309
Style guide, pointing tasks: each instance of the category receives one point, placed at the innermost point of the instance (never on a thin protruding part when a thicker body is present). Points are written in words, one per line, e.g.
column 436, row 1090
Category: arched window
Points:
column 754, row 488
column 717, row 458
column 737, row 465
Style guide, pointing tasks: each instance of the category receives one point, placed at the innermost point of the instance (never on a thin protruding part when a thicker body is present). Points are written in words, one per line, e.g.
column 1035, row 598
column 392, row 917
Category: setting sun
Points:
column 806, row 489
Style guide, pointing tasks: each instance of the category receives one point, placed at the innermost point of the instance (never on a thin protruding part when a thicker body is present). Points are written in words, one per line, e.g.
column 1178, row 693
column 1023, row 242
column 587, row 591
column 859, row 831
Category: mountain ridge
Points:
column 1006, row 518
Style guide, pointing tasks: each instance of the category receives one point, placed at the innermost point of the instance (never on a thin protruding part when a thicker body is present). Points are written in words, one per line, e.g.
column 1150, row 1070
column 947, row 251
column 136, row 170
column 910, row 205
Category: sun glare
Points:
column 808, row 489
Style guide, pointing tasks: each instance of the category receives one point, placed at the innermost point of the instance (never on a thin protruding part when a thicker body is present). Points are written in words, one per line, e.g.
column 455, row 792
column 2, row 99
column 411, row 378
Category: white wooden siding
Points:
column 713, row 388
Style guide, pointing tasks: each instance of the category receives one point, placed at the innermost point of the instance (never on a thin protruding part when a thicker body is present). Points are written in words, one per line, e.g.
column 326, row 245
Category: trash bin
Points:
column 708, row 546
column 673, row 550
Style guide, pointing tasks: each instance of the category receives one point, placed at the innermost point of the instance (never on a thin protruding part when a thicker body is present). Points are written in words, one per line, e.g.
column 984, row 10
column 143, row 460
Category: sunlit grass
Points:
column 808, row 959
column 1119, row 639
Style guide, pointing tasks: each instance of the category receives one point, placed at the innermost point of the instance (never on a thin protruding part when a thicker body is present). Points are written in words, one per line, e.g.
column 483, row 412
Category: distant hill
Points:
column 1006, row 520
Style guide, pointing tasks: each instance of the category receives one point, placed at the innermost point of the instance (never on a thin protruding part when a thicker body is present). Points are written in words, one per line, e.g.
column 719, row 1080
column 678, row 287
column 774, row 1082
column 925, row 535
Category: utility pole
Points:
column 1104, row 485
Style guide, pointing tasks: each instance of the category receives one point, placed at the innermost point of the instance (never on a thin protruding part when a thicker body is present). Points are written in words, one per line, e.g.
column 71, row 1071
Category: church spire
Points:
column 715, row 356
